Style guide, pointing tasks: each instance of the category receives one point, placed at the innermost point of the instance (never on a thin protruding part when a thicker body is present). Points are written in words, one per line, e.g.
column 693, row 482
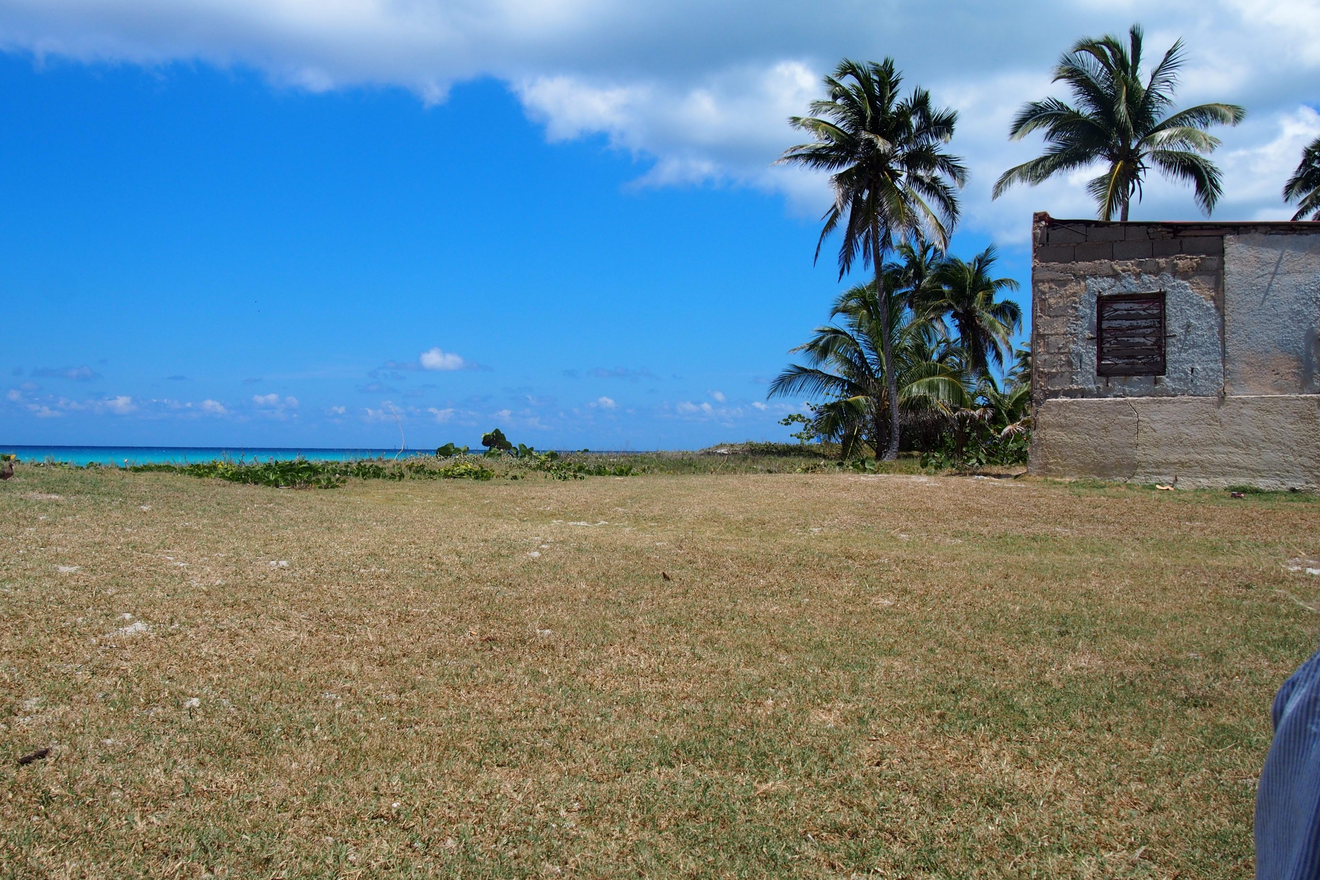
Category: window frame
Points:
column 1137, row 365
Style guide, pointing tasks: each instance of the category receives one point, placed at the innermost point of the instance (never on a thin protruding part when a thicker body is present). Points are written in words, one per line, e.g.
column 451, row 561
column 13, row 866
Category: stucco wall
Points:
column 1268, row 441
column 1239, row 399
column 1271, row 304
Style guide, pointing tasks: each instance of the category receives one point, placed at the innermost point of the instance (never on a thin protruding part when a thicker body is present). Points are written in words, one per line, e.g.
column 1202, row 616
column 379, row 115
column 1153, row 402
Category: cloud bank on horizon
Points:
column 701, row 93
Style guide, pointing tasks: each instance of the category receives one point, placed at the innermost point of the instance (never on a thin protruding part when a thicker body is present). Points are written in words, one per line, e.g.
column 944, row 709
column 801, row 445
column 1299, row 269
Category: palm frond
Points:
column 1036, row 171
column 1203, row 116
column 1164, row 79
column 808, row 381
column 1049, row 115
column 1193, row 168
column 1179, row 138
column 1112, row 189
column 1304, row 185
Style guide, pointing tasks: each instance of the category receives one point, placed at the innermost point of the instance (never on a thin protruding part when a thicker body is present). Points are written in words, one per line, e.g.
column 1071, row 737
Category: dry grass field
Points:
column 821, row 675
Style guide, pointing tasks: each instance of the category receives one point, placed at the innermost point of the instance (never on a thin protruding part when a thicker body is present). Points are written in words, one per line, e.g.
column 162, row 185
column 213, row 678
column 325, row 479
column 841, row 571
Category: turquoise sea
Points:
column 119, row 455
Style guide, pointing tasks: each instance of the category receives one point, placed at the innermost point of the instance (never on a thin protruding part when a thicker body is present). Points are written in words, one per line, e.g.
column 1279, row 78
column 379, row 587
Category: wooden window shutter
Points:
column 1130, row 335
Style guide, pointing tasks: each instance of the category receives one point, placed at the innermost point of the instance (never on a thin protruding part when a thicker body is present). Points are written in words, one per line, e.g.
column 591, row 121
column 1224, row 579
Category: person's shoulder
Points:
column 1301, row 688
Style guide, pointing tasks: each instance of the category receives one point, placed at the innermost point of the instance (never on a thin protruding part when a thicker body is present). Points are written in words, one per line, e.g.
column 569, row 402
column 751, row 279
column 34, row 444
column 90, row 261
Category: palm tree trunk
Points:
column 886, row 342
column 1124, row 213
column 878, row 425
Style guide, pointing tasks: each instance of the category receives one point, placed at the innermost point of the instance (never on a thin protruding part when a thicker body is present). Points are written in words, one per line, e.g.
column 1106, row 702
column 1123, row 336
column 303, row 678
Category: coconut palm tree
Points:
column 1304, row 186
column 915, row 274
column 968, row 295
column 989, row 414
column 1119, row 120
column 1019, row 375
column 891, row 178
column 846, row 366
column 1011, row 405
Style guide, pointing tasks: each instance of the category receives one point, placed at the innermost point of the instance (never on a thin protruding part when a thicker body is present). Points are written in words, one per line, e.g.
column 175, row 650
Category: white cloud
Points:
column 50, row 406
column 390, row 412
column 1249, row 179
column 724, row 414
column 727, row 125
column 336, row 410
column 272, row 401
column 435, row 359
column 271, row 406
column 1296, row 24
column 121, row 405
column 717, row 396
column 570, row 109
column 605, row 403
column 700, row 91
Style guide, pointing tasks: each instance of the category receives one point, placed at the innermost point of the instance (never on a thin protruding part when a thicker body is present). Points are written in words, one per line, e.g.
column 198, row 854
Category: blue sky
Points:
column 302, row 235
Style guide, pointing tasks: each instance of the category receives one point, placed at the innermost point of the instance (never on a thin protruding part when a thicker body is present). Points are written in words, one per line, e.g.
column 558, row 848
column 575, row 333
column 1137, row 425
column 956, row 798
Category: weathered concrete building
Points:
column 1187, row 350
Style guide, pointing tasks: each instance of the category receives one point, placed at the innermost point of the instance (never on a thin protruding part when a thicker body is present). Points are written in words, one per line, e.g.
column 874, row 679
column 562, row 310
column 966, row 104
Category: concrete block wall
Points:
column 1084, row 241
column 1076, row 262
column 1242, row 320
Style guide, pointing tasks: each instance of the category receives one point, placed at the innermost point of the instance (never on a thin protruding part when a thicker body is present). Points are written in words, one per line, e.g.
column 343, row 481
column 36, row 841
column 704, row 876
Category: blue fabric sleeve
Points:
column 1288, row 799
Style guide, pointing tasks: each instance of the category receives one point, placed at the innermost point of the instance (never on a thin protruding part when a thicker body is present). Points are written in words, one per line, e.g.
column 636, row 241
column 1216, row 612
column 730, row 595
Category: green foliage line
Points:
column 501, row 460
column 304, row 474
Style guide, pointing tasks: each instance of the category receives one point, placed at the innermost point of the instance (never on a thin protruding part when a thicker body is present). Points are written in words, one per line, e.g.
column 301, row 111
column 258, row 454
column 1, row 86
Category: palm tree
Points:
column 989, row 412
column 892, row 181
column 846, row 366
column 969, row 296
column 1011, row 406
column 1120, row 120
column 915, row 274
column 1304, row 186
column 1019, row 375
